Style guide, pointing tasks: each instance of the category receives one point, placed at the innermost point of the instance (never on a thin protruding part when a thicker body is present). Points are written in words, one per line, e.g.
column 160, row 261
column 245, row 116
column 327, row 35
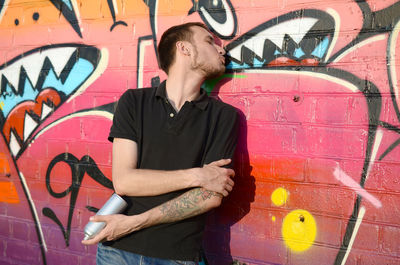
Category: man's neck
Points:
column 181, row 88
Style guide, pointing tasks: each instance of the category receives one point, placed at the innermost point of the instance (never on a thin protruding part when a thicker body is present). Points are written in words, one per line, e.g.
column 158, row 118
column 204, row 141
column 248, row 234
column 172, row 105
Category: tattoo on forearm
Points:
column 187, row 205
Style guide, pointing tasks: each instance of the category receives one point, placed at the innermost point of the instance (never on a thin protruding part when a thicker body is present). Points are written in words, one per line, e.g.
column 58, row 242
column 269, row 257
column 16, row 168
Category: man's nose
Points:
column 221, row 50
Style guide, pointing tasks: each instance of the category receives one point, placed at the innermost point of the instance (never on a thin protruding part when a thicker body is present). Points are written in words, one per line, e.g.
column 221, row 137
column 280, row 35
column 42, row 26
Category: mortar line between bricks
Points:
column 338, row 126
column 326, row 185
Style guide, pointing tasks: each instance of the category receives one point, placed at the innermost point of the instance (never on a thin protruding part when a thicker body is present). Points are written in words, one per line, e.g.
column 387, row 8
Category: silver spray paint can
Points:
column 114, row 205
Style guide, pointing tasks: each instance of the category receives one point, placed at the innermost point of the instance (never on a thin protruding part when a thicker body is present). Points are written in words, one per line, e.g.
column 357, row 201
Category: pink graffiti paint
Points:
column 349, row 182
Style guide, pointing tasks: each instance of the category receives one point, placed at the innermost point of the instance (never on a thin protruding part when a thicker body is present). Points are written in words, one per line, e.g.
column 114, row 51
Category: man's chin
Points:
column 215, row 74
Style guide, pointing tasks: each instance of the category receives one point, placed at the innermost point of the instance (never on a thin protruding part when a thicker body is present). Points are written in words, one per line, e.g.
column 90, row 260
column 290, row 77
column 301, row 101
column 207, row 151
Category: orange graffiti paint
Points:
column 17, row 115
column 4, row 166
column 19, row 13
column 8, row 193
column 278, row 168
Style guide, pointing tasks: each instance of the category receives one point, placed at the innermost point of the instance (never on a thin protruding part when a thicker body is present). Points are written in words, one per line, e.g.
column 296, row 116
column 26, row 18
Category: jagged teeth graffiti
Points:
column 36, row 83
column 297, row 38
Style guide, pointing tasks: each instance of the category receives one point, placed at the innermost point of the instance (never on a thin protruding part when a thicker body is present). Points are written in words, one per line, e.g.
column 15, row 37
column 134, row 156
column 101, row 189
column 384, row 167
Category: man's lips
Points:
column 222, row 60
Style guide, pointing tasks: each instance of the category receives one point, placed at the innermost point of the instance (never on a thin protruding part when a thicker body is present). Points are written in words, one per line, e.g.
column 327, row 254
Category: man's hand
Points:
column 117, row 225
column 215, row 177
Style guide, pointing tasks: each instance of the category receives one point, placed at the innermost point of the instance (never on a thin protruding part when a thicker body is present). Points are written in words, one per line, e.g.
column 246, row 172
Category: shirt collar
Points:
column 201, row 102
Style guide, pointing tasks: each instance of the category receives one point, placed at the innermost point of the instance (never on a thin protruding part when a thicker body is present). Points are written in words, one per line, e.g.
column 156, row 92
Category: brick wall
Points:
column 317, row 87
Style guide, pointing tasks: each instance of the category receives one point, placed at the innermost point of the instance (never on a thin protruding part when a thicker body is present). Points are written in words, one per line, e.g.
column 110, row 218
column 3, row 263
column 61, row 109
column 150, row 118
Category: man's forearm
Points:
column 192, row 203
column 130, row 181
column 147, row 182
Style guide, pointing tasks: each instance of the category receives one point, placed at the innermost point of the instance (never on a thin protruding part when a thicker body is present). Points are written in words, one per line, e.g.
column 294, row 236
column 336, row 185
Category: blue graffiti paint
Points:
column 257, row 63
column 233, row 65
column 68, row 3
column 79, row 73
column 81, row 70
column 12, row 100
column 322, row 48
column 298, row 53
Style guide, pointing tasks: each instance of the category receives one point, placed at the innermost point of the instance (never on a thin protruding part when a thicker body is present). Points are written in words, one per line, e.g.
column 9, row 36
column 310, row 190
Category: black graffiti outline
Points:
column 79, row 167
column 69, row 14
column 91, row 58
column 112, row 10
column 389, row 127
column 390, row 77
column 155, row 81
column 372, row 94
column 370, row 28
column 2, row 5
column 152, row 16
column 322, row 17
column 87, row 52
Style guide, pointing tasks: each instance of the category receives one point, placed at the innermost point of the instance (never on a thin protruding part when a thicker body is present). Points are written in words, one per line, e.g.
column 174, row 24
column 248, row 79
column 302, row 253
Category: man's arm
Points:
column 193, row 202
column 130, row 181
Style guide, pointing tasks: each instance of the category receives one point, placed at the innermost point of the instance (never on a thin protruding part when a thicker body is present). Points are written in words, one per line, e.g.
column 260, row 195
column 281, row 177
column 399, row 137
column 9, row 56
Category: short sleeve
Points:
column 224, row 138
column 124, row 121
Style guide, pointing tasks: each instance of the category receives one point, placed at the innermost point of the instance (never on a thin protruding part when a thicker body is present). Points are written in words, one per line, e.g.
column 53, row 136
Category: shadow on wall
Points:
column 217, row 235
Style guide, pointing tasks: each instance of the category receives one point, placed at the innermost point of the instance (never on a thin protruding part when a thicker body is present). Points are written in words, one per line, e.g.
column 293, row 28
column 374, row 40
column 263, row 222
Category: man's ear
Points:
column 183, row 47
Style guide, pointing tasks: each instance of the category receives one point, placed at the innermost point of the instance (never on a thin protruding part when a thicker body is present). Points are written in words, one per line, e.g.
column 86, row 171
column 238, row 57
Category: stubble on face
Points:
column 210, row 71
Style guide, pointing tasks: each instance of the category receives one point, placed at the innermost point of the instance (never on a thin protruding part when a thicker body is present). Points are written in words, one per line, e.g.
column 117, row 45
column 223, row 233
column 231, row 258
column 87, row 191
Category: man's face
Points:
column 207, row 56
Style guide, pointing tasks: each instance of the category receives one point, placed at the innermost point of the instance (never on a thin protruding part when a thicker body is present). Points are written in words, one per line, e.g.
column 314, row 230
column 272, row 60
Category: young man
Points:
column 172, row 147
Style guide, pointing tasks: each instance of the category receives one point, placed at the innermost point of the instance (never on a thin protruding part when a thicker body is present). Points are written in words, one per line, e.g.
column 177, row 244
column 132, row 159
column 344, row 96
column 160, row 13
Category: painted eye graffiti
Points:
column 297, row 38
column 218, row 15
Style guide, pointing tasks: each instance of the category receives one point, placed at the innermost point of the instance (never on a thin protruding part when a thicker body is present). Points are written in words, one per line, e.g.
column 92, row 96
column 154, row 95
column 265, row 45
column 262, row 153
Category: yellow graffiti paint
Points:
column 273, row 218
column 299, row 230
column 279, row 196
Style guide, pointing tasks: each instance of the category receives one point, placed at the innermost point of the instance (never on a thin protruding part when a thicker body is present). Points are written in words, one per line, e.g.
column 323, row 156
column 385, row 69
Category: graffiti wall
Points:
column 317, row 86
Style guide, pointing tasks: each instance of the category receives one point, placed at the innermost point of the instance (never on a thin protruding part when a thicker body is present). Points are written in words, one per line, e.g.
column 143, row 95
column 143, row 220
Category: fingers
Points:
column 227, row 188
column 229, row 182
column 95, row 240
column 219, row 179
column 102, row 234
column 99, row 218
column 220, row 163
column 230, row 172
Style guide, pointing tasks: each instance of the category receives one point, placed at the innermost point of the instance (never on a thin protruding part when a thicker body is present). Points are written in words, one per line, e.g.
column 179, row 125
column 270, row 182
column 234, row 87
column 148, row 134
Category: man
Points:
column 171, row 154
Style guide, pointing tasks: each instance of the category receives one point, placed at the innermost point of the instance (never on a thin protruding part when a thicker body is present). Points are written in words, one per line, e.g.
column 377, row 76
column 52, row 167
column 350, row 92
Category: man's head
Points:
column 197, row 38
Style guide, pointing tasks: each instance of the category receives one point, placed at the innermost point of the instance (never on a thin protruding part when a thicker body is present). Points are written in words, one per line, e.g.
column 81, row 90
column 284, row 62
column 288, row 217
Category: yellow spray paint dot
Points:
column 299, row 230
column 279, row 196
column 273, row 218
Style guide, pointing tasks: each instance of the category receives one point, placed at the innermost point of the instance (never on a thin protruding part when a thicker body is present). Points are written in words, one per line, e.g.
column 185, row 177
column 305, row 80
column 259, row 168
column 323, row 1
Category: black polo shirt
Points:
column 203, row 131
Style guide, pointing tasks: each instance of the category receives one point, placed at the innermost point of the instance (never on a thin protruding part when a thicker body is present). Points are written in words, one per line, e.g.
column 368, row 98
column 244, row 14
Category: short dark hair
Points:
column 167, row 48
